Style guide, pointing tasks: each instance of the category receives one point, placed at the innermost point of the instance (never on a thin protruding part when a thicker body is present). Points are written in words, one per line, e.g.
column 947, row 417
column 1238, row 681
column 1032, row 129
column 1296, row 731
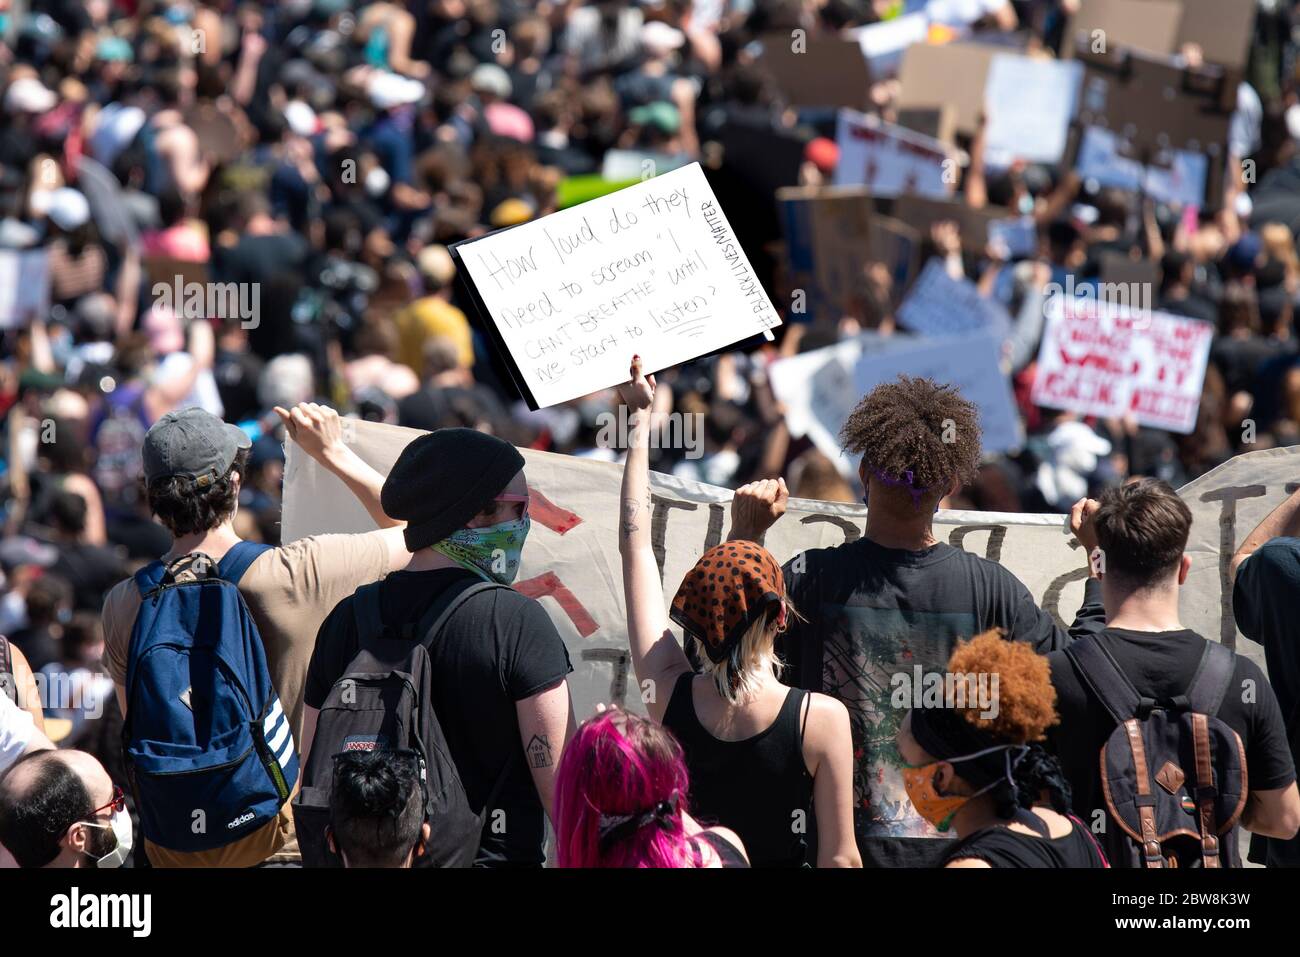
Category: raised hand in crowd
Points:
column 756, row 507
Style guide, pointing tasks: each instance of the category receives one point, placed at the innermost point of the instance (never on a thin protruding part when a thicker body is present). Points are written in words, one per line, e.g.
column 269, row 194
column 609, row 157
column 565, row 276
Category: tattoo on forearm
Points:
column 630, row 509
column 539, row 751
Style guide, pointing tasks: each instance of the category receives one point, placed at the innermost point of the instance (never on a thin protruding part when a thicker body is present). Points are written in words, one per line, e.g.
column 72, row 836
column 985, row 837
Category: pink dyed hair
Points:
column 619, row 763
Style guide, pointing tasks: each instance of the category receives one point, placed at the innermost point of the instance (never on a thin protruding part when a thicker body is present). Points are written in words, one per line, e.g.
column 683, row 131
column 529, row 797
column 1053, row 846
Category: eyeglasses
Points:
column 118, row 804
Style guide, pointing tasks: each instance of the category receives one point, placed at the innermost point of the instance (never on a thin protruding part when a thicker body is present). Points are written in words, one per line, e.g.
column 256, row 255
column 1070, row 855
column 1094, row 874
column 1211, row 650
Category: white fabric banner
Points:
column 571, row 561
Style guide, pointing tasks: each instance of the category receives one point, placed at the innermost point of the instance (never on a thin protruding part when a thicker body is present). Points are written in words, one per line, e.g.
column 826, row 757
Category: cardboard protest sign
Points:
column 654, row 269
column 817, row 70
column 831, row 234
column 936, row 122
column 951, row 73
column 24, row 286
column 1104, row 26
column 571, row 561
column 1029, row 103
column 922, row 212
column 939, row 305
column 891, row 160
column 1183, row 181
column 1101, row 359
column 1158, row 109
column 1221, row 28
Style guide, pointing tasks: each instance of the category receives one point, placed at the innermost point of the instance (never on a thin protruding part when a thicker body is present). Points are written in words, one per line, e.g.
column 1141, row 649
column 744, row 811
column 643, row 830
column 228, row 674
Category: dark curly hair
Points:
column 916, row 425
column 185, row 510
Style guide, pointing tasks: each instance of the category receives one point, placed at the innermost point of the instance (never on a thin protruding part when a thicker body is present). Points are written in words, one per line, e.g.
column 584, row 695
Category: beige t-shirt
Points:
column 289, row 591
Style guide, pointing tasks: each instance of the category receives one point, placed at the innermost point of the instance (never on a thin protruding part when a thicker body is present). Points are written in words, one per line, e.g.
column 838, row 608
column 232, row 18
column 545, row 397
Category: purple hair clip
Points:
column 907, row 482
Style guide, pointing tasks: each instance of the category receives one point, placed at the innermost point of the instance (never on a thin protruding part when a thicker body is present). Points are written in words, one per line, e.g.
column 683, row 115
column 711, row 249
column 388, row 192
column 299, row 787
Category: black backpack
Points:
column 1173, row 774
column 384, row 700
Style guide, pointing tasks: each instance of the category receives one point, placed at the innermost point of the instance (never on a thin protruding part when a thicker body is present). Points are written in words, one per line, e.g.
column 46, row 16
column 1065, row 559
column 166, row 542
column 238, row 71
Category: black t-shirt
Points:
column 1003, row 847
column 1263, row 601
column 498, row 648
column 1161, row 666
column 875, row 614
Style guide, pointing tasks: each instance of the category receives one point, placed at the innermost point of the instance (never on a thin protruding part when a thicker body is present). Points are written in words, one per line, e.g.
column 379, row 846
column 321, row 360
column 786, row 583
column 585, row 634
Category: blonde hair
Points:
column 739, row 676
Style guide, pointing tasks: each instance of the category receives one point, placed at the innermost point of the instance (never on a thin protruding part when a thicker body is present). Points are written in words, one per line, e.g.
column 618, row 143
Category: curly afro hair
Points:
column 916, row 425
column 1025, row 696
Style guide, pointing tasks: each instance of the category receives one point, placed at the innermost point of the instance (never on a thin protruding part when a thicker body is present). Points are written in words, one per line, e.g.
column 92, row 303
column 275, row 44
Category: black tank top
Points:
column 754, row 786
column 1003, row 847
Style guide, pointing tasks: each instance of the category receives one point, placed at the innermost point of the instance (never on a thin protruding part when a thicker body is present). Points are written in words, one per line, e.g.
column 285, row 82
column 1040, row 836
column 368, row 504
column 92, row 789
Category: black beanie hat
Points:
column 443, row 479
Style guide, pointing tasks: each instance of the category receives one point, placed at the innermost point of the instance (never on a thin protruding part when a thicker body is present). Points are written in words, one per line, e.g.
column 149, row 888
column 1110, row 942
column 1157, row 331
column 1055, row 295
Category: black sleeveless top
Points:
column 1003, row 847
column 753, row 786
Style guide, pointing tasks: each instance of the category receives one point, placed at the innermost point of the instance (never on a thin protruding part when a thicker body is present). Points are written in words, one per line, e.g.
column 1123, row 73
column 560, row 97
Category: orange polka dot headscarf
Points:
column 731, row 586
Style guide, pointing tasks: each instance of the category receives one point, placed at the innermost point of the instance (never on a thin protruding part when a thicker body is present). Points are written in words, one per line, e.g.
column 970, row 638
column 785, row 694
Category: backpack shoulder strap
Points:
column 1213, row 676
column 430, row 625
column 149, row 577
column 1104, row 678
column 236, row 561
column 367, row 613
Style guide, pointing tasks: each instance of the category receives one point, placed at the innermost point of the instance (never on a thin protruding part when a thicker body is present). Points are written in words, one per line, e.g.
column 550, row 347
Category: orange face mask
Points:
column 940, row 809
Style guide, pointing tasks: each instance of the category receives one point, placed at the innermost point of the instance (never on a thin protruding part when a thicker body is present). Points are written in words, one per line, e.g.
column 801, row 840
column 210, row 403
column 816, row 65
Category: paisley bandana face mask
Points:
column 493, row 551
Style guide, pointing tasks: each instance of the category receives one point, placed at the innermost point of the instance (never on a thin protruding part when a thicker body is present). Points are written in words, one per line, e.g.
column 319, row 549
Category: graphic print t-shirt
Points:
column 874, row 616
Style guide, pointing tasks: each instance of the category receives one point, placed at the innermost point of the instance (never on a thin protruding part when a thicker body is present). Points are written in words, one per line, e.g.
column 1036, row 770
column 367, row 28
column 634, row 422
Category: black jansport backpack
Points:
column 384, row 700
column 1173, row 774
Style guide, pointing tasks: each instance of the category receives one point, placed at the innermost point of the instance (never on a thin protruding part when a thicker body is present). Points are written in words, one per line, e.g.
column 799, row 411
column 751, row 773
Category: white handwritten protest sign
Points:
column 1106, row 360
column 24, row 286
column 654, row 269
column 571, row 561
column 1029, row 103
column 891, row 160
column 1182, row 181
column 939, row 305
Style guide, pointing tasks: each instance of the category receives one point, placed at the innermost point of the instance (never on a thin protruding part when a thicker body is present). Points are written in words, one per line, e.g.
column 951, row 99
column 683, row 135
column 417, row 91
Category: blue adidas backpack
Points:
column 208, row 747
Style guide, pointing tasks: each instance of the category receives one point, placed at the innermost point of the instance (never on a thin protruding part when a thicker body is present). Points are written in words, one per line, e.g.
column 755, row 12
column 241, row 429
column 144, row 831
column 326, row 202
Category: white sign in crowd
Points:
column 654, row 269
column 1101, row 359
column 891, row 160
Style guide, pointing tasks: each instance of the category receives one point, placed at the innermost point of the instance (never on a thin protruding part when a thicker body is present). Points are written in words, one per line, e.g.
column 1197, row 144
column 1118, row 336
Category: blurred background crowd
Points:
column 323, row 154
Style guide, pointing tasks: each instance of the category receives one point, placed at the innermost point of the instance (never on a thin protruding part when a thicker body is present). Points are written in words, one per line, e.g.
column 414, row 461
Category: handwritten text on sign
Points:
column 1106, row 360
column 654, row 269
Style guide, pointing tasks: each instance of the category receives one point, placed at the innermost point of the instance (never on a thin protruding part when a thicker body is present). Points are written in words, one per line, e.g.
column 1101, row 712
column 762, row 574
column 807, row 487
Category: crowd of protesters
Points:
column 321, row 155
